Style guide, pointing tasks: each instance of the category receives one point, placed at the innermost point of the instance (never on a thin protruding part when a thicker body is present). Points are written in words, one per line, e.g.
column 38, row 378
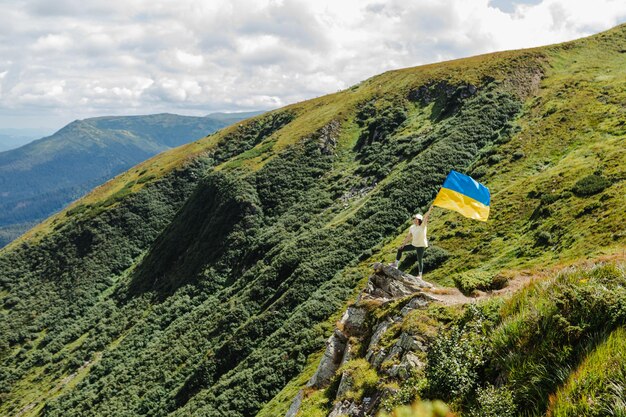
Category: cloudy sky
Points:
column 69, row 59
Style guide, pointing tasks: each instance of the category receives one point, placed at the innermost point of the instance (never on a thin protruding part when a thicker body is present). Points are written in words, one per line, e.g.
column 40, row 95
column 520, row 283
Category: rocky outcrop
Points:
column 389, row 283
column 442, row 90
column 295, row 405
column 333, row 355
column 384, row 285
column 328, row 137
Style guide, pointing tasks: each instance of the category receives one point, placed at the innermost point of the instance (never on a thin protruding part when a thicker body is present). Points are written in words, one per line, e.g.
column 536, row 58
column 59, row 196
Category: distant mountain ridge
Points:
column 14, row 138
column 41, row 177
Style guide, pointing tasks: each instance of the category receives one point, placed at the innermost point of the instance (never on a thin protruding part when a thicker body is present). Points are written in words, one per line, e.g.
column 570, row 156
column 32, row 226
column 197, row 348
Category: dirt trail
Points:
column 452, row 296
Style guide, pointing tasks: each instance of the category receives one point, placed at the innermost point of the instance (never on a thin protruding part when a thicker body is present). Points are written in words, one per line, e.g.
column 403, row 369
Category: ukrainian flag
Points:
column 464, row 194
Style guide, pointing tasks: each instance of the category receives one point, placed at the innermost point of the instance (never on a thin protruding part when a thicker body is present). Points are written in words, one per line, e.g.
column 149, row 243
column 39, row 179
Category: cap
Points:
column 418, row 217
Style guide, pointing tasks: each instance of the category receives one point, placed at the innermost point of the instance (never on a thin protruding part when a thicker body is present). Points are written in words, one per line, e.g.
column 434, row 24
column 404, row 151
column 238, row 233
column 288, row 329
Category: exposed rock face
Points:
column 345, row 408
column 335, row 346
column 353, row 320
column 442, row 90
column 388, row 283
column 295, row 405
column 328, row 137
column 384, row 285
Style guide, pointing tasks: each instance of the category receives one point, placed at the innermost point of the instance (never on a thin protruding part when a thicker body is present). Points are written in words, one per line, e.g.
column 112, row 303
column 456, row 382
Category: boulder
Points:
column 353, row 321
column 333, row 355
column 379, row 331
column 407, row 342
column 407, row 279
column 345, row 385
column 345, row 408
column 404, row 369
column 295, row 405
column 420, row 301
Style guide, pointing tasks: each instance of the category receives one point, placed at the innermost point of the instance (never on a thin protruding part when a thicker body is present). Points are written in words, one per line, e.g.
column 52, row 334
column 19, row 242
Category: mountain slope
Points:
column 206, row 280
column 43, row 176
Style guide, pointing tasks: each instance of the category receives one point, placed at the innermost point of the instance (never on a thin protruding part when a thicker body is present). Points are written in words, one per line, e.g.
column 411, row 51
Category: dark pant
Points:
column 420, row 255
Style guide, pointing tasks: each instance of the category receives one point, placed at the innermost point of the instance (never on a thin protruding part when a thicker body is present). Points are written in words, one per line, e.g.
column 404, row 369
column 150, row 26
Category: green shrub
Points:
column 434, row 257
column 588, row 209
column 549, row 198
column 479, row 171
column 494, row 159
column 409, row 391
column 543, row 238
column 453, row 363
column 590, row 185
column 470, row 281
column 493, row 402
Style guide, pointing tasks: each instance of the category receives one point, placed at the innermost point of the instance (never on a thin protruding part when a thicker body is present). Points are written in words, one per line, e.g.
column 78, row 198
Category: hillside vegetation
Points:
column 206, row 280
column 42, row 177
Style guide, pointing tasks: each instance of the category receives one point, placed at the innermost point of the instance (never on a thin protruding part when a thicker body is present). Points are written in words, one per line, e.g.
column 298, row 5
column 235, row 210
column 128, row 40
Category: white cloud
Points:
column 52, row 42
column 74, row 59
column 188, row 59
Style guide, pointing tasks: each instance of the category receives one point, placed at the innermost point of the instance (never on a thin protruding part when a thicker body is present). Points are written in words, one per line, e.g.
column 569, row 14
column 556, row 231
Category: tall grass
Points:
column 549, row 328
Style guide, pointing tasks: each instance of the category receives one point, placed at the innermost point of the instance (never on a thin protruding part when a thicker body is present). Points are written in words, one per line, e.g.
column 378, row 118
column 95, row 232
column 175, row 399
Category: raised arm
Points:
column 427, row 215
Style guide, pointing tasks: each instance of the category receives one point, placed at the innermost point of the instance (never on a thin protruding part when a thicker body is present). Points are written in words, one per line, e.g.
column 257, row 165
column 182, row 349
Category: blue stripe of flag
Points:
column 466, row 185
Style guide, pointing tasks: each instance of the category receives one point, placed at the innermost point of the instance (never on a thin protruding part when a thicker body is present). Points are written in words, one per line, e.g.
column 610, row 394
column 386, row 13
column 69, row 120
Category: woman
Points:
column 419, row 242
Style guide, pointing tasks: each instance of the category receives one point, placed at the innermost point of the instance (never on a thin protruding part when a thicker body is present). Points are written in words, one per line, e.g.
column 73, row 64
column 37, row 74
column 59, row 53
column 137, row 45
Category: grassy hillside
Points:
column 44, row 176
column 205, row 280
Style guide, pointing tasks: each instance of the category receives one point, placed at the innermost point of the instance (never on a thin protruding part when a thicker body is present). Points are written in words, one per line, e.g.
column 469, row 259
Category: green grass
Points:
column 551, row 326
column 597, row 386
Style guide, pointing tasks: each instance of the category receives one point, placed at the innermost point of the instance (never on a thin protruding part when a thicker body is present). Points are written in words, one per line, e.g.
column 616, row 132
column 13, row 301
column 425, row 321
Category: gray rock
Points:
column 328, row 137
column 398, row 275
column 345, row 408
column 416, row 303
column 413, row 361
column 377, row 358
column 345, row 385
column 396, row 351
column 335, row 346
column 403, row 370
column 379, row 331
column 386, row 288
column 295, row 405
column 347, row 353
column 407, row 342
column 353, row 321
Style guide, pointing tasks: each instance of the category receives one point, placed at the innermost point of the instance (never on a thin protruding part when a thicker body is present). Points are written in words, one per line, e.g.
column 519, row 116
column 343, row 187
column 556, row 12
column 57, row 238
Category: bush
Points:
column 494, row 402
column 494, row 159
column 470, row 281
column 434, row 257
column 543, row 238
column 479, row 172
column 453, row 362
column 590, row 185
column 588, row 209
column 549, row 198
